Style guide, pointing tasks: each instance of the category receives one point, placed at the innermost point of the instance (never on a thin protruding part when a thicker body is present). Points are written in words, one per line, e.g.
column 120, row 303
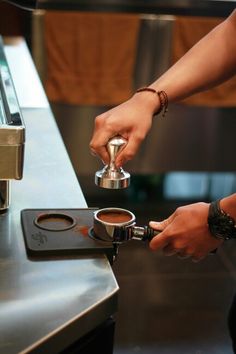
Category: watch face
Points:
column 222, row 226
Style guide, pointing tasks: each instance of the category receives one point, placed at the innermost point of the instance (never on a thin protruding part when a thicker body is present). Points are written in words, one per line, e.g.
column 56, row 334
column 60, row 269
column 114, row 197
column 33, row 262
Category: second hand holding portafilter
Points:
column 111, row 176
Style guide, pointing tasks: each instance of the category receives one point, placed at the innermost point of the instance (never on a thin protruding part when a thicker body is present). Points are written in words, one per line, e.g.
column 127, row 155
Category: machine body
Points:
column 12, row 133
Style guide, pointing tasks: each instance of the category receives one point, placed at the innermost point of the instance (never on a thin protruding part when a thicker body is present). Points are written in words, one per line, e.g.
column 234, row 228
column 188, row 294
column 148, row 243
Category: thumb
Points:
column 159, row 225
column 159, row 241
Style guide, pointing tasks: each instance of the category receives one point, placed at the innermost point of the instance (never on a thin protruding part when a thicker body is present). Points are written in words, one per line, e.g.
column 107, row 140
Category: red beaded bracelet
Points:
column 162, row 95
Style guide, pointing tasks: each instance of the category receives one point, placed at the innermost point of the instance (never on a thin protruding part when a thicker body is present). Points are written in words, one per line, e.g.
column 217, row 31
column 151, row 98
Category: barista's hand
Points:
column 132, row 120
column 185, row 233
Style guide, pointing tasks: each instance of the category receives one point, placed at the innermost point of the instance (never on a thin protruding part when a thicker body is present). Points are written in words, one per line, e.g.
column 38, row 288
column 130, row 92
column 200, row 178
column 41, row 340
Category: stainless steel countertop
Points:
column 46, row 305
column 171, row 7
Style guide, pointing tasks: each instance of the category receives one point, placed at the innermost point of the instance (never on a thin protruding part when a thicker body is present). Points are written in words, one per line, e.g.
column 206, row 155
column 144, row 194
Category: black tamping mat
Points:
column 61, row 232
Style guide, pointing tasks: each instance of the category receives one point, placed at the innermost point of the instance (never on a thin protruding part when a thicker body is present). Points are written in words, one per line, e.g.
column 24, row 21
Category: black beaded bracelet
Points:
column 163, row 98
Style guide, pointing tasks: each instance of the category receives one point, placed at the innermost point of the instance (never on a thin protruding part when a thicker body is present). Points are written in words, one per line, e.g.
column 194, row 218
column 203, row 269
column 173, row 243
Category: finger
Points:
column 183, row 255
column 157, row 225
column 93, row 152
column 159, row 242
column 169, row 250
column 129, row 151
column 103, row 155
column 99, row 142
column 98, row 147
column 197, row 259
column 161, row 225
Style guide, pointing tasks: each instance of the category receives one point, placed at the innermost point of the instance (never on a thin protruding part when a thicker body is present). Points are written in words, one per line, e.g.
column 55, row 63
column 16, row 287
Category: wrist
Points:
column 228, row 204
column 162, row 98
column 147, row 100
column 162, row 103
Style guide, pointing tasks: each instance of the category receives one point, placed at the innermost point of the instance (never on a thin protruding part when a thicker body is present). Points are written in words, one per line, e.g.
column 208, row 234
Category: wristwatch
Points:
column 221, row 224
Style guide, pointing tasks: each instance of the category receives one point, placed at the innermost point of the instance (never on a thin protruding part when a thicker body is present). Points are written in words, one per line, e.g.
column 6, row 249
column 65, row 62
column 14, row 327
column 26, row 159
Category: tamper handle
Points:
column 112, row 176
column 114, row 146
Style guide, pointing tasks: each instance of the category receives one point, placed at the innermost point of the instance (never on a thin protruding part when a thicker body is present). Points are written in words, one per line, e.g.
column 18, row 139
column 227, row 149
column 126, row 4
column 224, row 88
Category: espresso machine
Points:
column 12, row 133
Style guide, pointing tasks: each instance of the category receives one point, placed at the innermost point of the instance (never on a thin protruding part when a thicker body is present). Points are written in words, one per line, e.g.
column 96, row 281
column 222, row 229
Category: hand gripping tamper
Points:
column 111, row 176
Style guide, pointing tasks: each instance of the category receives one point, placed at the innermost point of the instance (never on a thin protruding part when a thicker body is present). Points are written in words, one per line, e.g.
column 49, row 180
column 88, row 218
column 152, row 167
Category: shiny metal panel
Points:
column 12, row 132
column 180, row 7
column 46, row 305
column 11, row 161
column 15, row 47
column 4, row 194
column 173, row 7
column 12, row 135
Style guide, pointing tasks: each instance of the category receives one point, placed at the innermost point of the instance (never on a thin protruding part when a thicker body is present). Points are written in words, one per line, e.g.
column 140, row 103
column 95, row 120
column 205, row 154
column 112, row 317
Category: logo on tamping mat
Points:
column 40, row 238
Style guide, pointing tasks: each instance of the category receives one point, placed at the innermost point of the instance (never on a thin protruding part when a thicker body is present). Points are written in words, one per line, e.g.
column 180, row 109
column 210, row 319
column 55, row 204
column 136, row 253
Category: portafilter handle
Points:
column 143, row 233
column 133, row 232
column 111, row 176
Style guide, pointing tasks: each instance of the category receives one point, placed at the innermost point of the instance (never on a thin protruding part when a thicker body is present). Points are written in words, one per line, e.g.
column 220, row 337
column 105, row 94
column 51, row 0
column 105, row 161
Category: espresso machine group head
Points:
column 12, row 133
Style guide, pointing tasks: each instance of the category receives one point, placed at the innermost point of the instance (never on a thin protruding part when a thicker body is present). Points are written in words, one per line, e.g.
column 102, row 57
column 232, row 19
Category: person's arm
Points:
column 186, row 232
column 211, row 61
column 208, row 63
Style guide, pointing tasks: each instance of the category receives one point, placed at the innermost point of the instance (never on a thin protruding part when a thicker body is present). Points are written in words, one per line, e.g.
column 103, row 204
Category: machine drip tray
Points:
column 61, row 232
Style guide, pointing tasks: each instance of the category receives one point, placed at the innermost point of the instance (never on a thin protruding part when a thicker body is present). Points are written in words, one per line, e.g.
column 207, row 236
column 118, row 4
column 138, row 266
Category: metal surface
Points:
column 111, row 176
column 4, row 194
column 12, row 133
column 12, row 130
column 176, row 7
column 47, row 305
column 27, row 97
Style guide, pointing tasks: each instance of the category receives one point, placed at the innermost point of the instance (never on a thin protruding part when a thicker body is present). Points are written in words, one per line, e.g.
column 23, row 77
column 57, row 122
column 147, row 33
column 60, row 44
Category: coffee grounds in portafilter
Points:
column 114, row 217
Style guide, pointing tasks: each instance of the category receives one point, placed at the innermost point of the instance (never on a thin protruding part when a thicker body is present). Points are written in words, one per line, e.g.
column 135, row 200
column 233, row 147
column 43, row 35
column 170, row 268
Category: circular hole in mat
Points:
column 55, row 222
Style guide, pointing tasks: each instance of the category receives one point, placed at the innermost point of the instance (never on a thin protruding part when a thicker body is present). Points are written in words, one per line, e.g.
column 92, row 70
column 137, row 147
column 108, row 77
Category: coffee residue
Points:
column 114, row 217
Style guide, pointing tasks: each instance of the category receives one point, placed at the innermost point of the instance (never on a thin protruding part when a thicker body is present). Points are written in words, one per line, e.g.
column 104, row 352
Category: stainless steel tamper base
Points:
column 118, row 179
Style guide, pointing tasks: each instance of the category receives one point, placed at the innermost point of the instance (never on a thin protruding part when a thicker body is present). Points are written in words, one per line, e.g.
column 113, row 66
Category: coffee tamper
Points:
column 111, row 176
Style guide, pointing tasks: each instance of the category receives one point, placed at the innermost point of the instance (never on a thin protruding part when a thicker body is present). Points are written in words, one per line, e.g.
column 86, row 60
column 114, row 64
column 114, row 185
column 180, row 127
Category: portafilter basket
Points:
column 118, row 225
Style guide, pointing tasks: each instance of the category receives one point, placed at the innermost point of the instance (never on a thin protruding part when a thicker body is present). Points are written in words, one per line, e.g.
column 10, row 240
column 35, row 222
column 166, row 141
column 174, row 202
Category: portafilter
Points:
column 118, row 225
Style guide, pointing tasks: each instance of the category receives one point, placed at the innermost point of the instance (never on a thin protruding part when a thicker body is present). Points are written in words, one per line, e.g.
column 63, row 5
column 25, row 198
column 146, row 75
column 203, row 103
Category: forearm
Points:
column 211, row 61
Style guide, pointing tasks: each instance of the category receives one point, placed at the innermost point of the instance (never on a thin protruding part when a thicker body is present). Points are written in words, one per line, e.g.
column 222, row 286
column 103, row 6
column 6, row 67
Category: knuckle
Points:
column 197, row 257
column 179, row 210
column 98, row 121
column 91, row 146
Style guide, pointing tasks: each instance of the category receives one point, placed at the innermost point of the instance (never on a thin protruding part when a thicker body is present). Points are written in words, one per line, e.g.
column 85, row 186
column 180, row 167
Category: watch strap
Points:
column 221, row 224
column 214, row 209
